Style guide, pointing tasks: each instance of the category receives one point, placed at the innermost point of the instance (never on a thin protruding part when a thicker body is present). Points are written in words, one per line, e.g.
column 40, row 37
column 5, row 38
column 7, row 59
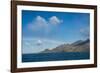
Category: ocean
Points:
column 55, row 56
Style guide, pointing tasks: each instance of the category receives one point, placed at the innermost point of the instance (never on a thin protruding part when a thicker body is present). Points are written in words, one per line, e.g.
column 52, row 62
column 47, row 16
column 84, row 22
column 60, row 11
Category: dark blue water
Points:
column 55, row 56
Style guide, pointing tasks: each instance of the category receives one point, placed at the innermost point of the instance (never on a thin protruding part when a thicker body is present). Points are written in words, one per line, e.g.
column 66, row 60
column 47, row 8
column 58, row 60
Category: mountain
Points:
column 77, row 42
column 78, row 46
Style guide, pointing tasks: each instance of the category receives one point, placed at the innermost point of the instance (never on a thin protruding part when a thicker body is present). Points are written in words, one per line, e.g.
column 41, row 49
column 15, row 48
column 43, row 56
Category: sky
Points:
column 46, row 30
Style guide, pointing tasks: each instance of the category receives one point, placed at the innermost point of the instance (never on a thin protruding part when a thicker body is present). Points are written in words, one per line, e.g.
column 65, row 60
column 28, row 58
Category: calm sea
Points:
column 55, row 56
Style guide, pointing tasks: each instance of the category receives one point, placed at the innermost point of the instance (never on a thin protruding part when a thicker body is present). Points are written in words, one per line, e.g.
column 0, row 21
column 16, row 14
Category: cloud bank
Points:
column 40, row 23
column 35, row 45
column 85, row 32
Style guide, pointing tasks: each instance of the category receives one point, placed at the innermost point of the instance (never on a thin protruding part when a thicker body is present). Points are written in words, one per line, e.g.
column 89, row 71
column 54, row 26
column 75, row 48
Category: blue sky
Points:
column 42, row 28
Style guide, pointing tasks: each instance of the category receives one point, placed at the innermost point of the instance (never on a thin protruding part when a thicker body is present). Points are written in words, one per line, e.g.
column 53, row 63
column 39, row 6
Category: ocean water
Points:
column 55, row 56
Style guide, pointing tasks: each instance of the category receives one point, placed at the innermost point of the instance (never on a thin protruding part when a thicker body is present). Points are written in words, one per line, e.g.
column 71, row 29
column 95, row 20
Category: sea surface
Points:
column 55, row 56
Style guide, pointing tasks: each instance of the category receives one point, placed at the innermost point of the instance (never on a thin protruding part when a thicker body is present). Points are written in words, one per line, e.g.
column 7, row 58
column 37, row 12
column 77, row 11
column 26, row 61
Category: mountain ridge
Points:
column 78, row 46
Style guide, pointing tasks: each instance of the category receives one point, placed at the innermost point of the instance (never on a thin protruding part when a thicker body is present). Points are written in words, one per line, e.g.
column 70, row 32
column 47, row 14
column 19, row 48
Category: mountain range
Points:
column 78, row 46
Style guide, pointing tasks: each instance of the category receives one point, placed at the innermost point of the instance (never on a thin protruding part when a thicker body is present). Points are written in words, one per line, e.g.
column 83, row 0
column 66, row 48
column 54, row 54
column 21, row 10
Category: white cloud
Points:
column 85, row 32
column 54, row 20
column 38, row 23
column 39, row 42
